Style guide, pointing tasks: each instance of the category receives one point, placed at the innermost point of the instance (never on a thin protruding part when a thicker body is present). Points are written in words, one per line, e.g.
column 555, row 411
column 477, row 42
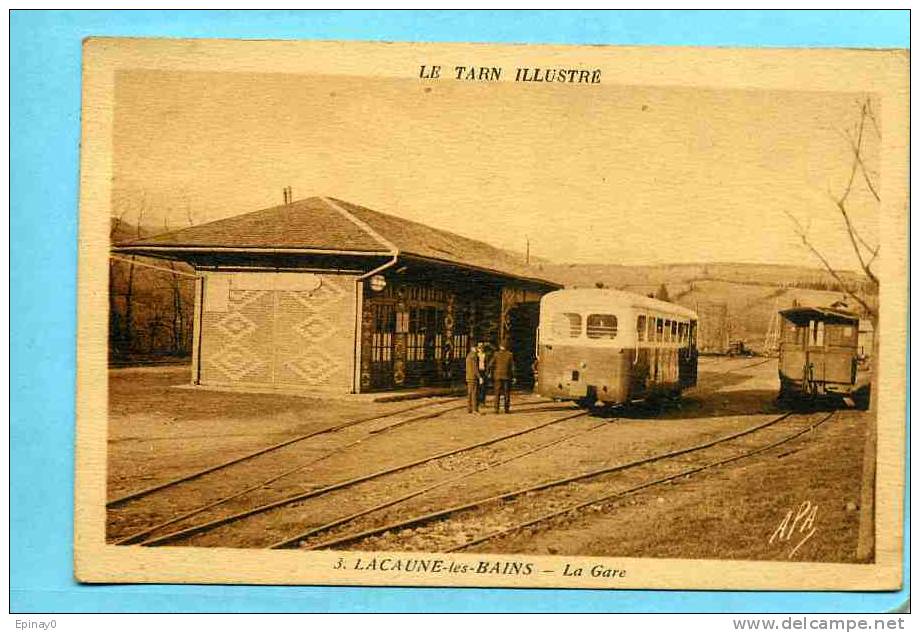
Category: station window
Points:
column 601, row 326
column 567, row 324
column 640, row 327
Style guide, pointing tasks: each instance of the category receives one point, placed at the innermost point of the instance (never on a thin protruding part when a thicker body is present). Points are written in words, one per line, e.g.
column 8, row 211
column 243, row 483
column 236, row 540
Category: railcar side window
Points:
column 673, row 330
column 567, row 324
column 640, row 327
column 659, row 330
column 681, row 332
column 602, row 326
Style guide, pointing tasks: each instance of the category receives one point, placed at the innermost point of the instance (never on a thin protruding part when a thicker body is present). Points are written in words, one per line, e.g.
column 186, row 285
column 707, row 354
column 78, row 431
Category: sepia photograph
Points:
column 492, row 315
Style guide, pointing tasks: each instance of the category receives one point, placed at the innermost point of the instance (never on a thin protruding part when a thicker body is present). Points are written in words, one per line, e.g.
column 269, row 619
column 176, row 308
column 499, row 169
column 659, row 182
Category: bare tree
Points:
column 865, row 294
column 115, row 332
column 866, row 254
column 129, row 288
column 178, row 324
column 122, row 323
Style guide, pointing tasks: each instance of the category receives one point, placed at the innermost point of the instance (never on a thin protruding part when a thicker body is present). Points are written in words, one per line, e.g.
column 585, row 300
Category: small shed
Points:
column 322, row 294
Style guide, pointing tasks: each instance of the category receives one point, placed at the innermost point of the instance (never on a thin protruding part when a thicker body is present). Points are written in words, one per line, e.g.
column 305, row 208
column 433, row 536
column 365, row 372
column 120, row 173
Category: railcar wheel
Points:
column 861, row 399
column 788, row 395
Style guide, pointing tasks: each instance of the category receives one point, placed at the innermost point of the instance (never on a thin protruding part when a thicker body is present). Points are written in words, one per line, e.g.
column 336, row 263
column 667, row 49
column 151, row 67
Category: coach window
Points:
column 601, row 326
column 640, row 327
column 816, row 334
column 673, row 331
column 840, row 334
column 567, row 324
column 681, row 332
column 659, row 330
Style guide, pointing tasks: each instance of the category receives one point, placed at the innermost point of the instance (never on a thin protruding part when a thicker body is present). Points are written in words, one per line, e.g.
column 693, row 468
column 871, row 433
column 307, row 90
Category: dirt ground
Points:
column 158, row 431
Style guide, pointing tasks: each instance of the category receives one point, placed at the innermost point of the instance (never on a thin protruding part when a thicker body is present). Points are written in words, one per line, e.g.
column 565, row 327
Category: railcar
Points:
column 612, row 347
column 821, row 355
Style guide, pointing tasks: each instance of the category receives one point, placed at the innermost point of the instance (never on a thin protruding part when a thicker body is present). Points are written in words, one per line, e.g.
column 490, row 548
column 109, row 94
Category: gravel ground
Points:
column 158, row 431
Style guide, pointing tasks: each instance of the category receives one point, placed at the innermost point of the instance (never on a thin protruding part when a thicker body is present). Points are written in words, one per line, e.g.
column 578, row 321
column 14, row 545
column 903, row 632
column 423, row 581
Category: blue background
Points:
column 45, row 128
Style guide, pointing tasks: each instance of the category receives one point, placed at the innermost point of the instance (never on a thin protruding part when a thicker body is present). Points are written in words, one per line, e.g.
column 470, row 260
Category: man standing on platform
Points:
column 502, row 375
column 472, row 380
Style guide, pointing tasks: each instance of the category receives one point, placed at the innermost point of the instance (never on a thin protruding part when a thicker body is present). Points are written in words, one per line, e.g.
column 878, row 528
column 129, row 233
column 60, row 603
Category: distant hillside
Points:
column 734, row 301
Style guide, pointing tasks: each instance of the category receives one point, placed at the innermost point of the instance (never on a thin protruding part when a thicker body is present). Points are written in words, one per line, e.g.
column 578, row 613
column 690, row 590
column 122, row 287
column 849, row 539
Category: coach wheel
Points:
column 861, row 399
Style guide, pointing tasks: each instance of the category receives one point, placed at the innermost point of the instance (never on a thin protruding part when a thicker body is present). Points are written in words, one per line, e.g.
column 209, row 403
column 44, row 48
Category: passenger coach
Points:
column 610, row 346
column 820, row 356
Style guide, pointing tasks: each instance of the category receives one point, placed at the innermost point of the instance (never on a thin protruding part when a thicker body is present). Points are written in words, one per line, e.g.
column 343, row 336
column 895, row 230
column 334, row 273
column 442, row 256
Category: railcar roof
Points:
column 604, row 299
column 801, row 313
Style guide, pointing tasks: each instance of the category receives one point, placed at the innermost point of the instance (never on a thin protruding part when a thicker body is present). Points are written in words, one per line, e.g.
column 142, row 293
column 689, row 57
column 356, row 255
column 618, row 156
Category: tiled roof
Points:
column 335, row 225
column 305, row 224
column 414, row 238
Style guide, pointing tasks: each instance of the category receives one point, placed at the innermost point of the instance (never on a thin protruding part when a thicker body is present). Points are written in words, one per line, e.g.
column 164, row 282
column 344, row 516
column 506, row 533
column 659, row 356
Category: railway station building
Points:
column 324, row 295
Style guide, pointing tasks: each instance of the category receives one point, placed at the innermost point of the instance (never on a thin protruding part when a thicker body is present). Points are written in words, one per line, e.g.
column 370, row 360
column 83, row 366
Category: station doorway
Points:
column 523, row 320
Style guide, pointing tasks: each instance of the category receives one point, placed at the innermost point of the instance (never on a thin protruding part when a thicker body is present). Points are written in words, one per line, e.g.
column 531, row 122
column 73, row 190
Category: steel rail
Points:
column 541, row 486
column 344, row 484
column 293, row 540
column 230, row 462
column 136, row 536
column 758, row 363
column 629, row 491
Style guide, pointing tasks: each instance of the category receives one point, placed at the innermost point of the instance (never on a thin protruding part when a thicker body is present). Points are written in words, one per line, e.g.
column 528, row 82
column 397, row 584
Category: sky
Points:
column 615, row 174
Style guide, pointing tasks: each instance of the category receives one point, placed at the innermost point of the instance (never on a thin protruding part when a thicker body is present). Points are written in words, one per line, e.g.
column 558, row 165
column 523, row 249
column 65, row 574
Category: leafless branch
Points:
column 803, row 235
column 871, row 115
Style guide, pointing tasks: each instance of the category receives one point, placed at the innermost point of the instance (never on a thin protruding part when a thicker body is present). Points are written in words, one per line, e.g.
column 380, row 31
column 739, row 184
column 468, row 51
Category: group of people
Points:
column 483, row 366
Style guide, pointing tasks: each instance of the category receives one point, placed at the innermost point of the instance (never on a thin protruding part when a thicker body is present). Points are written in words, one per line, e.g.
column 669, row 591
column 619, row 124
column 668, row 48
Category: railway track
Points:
column 276, row 458
column 472, row 523
column 183, row 530
column 756, row 364
column 131, row 496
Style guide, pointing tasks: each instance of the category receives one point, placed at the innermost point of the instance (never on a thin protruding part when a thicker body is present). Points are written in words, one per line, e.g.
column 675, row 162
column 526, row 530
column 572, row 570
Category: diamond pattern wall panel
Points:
column 282, row 337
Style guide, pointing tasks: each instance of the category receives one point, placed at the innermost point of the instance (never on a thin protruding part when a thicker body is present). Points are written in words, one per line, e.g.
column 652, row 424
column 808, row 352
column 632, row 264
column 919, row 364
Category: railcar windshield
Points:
column 841, row 335
column 602, row 326
column 793, row 333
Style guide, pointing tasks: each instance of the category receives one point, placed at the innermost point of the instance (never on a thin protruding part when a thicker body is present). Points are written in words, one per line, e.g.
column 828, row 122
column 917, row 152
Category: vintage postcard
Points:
column 492, row 315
